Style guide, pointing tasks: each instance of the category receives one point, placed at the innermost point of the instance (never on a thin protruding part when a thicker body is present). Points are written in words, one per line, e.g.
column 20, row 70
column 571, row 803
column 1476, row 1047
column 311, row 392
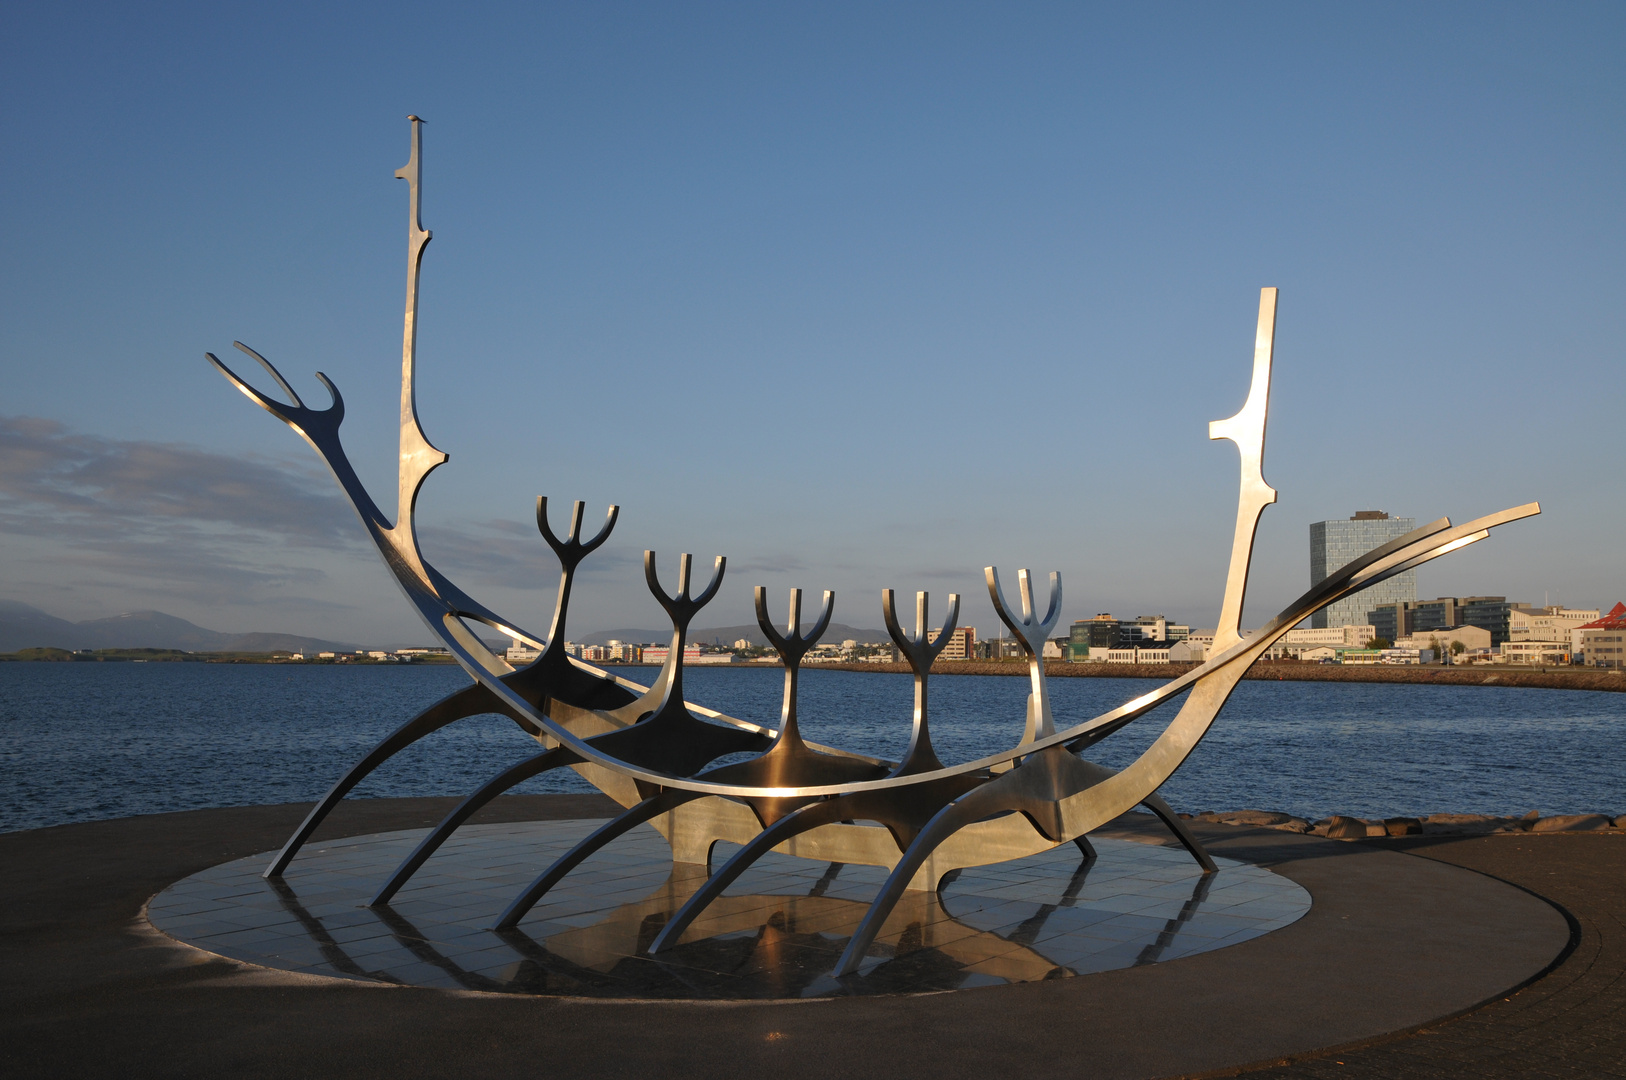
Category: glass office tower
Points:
column 1334, row 544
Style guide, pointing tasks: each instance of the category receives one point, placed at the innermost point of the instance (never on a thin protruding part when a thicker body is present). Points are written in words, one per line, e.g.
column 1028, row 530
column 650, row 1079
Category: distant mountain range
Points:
column 23, row 626
column 835, row 634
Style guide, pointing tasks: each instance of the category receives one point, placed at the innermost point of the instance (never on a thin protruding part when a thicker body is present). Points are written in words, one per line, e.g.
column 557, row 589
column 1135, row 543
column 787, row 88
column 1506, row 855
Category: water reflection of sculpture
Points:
column 649, row 748
column 775, row 940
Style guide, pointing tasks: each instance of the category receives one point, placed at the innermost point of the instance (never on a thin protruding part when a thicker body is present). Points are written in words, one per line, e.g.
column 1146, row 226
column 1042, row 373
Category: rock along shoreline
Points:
column 1342, row 827
column 1462, row 675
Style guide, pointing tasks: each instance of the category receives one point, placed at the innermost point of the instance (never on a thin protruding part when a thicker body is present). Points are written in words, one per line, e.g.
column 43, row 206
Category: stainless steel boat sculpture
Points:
column 650, row 749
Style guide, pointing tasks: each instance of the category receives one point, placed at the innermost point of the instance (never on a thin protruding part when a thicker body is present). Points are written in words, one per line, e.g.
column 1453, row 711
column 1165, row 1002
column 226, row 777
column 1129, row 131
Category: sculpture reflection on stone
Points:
column 652, row 750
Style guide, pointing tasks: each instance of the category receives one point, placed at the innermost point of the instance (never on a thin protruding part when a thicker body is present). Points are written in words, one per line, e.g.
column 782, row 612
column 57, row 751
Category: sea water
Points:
column 83, row 741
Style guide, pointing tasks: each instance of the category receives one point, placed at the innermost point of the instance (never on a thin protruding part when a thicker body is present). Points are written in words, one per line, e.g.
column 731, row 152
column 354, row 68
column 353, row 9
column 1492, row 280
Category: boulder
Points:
column 1270, row 819
column 1571, row 823
column 1376, row 828
column 1620, row 822
column 1344, row 828
column 1462, row 824
column 1461, row 819
column 1402, row 826
column 1258, row 817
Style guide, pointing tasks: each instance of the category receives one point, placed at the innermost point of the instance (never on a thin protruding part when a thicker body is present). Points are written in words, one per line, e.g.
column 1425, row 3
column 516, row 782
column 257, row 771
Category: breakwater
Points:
column 1462, row 675
column 1343, row 827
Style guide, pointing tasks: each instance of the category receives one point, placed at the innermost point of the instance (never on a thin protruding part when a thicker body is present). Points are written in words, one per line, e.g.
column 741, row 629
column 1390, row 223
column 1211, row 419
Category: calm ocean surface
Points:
column 85, row 741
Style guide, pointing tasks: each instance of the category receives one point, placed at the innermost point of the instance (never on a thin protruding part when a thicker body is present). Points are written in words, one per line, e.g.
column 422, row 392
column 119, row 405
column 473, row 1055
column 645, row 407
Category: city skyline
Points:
column 968, row 263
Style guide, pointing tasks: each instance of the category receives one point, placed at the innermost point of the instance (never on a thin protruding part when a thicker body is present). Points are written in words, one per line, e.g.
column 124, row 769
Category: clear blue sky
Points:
column 860, row 296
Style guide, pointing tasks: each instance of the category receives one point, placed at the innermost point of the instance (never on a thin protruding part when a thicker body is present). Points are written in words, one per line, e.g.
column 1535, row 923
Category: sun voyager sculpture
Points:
column 652, row 751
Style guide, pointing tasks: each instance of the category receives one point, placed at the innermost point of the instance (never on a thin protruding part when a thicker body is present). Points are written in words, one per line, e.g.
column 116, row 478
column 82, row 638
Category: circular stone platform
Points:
column 777, row 933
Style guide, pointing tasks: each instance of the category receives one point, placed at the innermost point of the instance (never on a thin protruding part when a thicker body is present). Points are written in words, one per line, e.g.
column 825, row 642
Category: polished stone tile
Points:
column 776, row 933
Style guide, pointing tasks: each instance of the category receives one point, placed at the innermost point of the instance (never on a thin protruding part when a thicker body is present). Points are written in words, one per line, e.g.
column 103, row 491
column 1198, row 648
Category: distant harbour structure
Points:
column 1334, row 544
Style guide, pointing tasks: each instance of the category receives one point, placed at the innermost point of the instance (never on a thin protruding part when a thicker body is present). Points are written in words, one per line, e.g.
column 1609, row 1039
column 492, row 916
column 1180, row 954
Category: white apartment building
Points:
column 961, row 644
column 1354, row 636
column 657, row 654
column 1549, row 624
column 615, row 650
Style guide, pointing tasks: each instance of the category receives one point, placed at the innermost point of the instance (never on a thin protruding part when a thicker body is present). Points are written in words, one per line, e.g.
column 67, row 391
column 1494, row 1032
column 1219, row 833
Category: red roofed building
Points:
column 1603, row 642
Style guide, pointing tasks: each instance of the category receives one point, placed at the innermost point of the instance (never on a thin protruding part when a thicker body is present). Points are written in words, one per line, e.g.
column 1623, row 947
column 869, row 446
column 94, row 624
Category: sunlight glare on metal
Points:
column 1143, row 700
column 1458, row 545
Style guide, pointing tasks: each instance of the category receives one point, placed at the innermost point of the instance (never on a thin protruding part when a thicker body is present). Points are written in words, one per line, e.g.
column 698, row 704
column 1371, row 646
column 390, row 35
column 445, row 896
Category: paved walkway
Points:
column 87, row 989
column 1570, row 1023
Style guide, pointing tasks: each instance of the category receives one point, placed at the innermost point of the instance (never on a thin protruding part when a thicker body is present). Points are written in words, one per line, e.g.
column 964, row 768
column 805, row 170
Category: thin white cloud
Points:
column 173, row 522
column 53, row 481
column 165, row 519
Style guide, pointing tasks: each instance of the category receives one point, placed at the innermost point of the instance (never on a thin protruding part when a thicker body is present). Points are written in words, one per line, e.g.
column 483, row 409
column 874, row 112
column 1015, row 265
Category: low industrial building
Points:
column 1472, row 639
column 1536, row 652
column 1189, row 651
column 1149, row 652
column 1194, row 648
column 520, row 653
column 1295, row 643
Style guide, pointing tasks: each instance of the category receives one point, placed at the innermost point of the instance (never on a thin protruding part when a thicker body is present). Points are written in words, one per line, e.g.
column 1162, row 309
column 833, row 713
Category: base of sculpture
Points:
column 777, row 933
column 1392, row 943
